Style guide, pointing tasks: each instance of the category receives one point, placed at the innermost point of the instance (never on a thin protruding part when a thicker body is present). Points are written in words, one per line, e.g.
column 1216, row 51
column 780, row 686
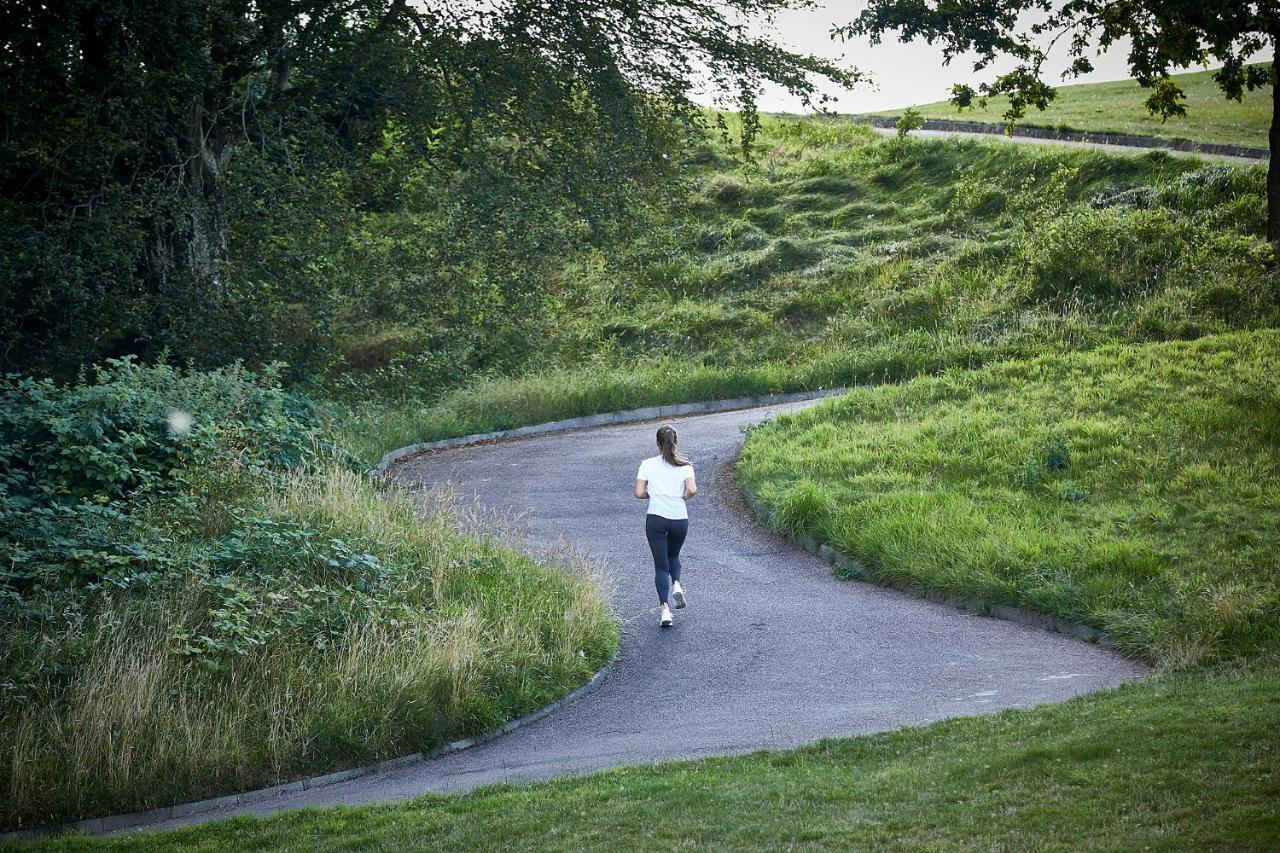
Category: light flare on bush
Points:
column 179, row 423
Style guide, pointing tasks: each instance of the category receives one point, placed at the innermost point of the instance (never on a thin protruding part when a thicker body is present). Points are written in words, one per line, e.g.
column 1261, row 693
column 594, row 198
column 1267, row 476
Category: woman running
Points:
column 666, row 481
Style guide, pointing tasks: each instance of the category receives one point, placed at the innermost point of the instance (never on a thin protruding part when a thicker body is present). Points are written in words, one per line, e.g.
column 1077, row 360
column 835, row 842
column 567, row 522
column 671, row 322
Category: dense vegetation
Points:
column 1098, row 441
column 1118, row 107
column 220, row 179
column 188, row 188
column 188, row 551
column 197, row 596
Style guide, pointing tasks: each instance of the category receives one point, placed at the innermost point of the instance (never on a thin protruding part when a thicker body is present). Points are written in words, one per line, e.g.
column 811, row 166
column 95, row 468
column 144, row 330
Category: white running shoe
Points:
column 664, row 617
column 677, row 595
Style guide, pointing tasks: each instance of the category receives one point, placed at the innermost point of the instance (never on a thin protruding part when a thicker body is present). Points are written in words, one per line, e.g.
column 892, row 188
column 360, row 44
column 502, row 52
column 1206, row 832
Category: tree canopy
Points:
column 128, row 127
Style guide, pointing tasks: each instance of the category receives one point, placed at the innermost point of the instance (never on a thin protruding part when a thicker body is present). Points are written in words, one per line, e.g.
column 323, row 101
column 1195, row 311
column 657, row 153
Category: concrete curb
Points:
column 849, row 567
column 1122, row 140
column 140, row 819
column 647, row 413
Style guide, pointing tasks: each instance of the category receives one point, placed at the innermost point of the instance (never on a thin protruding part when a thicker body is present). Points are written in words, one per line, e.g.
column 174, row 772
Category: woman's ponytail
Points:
column 667, row 447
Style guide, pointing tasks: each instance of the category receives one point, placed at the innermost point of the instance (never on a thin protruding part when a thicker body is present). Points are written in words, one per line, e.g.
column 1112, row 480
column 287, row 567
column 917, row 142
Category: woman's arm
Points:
column 642, row 489
column 690, row 488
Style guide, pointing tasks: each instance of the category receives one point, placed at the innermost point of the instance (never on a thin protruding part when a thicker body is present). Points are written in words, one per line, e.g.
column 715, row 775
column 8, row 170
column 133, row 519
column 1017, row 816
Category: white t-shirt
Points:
column 666, row 486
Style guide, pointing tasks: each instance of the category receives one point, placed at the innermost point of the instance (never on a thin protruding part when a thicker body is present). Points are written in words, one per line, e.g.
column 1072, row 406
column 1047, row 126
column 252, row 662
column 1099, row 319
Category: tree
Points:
column 1163, row 35
column 120, row 120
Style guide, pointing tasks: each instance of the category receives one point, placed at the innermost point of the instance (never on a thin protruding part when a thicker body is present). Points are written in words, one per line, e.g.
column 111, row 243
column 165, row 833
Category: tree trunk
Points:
column 188, row 242
column 1273, row 166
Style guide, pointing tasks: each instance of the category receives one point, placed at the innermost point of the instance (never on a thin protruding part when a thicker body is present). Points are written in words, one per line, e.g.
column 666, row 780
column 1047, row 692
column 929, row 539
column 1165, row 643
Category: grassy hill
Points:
column 1077, row 358
column 839, row 258
column 1131, row 487
column 1117, row 107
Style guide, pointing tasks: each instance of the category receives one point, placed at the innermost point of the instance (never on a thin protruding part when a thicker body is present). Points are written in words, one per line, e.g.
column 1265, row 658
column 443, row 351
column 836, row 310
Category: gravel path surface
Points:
column 772, row 651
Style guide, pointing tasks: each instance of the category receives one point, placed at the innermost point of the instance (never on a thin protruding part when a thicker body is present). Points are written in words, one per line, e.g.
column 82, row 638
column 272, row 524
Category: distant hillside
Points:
column 1117, row 107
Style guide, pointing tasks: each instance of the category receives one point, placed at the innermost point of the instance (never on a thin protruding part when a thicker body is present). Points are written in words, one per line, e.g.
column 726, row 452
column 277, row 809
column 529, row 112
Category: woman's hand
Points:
column 690, row 488
column 642, row 490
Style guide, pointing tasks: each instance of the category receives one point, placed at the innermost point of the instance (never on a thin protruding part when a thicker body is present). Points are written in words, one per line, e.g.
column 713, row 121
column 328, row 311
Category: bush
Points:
column 909, row 120
column 96, row 478
column 80, row 463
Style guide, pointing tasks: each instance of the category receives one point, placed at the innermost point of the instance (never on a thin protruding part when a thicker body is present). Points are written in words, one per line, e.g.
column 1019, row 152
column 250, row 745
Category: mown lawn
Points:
column 1119, row 107
column 1135, row 488
column 1185, row 761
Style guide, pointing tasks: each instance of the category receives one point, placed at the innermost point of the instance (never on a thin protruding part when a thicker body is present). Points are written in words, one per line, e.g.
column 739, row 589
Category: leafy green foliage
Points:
column 274, row 579
column 80, row 462
column 227, row 181
column 181, row 558
column 99, row 477
column 909, row 120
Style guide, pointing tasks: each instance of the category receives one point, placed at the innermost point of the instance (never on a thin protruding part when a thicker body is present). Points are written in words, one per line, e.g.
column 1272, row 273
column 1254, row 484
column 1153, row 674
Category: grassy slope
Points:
column 1118, row 107
column 1135, row 488
column 840, row 258
column 1189, row 761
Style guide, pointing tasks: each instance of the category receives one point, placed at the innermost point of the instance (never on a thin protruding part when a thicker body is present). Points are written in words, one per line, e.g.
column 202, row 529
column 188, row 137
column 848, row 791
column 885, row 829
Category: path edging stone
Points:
column 647, row 413
column 851, row 568
column 140, row 819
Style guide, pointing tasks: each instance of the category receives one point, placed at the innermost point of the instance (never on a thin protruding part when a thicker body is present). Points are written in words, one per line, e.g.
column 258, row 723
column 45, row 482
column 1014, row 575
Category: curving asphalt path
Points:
column 772, row 651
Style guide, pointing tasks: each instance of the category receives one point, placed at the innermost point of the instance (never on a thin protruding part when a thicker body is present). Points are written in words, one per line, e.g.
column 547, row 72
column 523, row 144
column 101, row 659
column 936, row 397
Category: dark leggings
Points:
column 665, row 536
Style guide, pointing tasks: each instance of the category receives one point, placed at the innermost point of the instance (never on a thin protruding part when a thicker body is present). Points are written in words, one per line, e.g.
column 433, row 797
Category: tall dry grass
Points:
column 486, row 634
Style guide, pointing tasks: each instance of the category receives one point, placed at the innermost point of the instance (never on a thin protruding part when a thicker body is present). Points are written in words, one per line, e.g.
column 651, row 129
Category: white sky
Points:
column 902, row 74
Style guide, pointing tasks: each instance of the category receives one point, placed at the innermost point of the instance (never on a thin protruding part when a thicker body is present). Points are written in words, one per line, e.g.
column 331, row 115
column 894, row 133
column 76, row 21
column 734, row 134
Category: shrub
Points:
column 182, row 558
column 103, row 484
column 79, row 462
column 909, row 120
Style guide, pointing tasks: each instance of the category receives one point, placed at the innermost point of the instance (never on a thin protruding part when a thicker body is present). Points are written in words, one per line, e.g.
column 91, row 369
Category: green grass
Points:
column 476, row 635
column 1135, row 488
column 1119, row 107
column 1186, row 761
column 840, row 258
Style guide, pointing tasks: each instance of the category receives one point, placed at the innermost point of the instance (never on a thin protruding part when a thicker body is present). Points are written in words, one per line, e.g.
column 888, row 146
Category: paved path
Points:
column 1066, row 143
column 772, row 651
